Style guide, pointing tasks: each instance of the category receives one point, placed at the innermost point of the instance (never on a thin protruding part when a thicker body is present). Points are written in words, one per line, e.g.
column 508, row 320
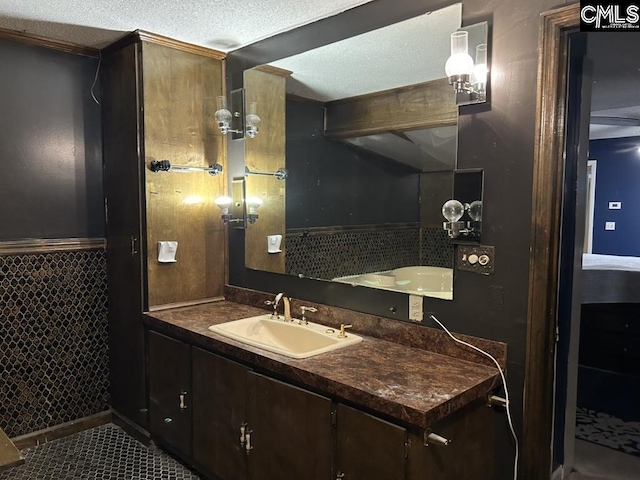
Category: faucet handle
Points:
column 274, row 303
column 342, row 328
column 304, row 309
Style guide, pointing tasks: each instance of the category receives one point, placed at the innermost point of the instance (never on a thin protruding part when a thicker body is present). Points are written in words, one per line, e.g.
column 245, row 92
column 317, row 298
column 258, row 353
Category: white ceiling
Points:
column 405, row 53
column 220, row 24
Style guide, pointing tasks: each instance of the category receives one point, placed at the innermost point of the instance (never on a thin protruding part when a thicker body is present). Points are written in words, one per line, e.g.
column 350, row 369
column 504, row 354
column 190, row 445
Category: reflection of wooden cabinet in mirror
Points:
column 419, row 106
column 266, row 152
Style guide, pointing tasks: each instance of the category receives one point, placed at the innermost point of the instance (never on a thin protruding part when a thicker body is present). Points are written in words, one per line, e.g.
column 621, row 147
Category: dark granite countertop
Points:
column 411, row 385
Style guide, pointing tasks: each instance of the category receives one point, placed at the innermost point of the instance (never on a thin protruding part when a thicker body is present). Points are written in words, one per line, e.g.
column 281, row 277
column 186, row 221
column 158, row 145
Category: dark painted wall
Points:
column 617, row 180
column 497, row 137
column 344, row 185
column 50, row 145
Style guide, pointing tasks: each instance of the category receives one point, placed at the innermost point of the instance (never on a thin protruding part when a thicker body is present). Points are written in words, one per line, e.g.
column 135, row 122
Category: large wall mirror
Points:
column 367, row 130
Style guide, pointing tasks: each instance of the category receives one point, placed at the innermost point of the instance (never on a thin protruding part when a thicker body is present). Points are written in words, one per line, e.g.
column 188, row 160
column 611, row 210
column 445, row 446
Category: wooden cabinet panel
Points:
column 180, row 91
column 170, row 392
column 368, row 447
column 219, row 407
column 291, row 435
column 469, row 456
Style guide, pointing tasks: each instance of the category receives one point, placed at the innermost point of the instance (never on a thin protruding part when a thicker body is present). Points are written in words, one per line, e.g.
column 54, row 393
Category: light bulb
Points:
column 224, row 203
column 480, row 70
column 475, row 210
column 252, row 121
column 223, row 115
column 254, row 204
column 452, row 210
column 460, row 62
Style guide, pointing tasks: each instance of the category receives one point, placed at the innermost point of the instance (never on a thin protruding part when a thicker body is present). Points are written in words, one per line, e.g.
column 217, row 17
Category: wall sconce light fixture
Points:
column 453, row 211
column 467, row 75
column 250, row 204
column 224, row 203
column 235, row 121
column 253, row 204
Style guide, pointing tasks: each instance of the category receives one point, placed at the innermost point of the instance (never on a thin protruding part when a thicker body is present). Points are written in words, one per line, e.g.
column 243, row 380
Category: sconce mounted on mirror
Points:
column 464, row 212
column 235, row 121
column 165, row 166
column 468, row 66
column 242, row 210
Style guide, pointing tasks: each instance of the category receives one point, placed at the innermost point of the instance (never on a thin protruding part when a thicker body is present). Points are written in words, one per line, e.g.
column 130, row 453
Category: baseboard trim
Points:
column 558, row 474
column 136, row 431
column 63, row 430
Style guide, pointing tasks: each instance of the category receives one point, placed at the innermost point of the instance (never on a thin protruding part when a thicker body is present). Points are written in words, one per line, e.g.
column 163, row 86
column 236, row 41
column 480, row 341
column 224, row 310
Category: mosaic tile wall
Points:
column 437, row 251
column 337, row 253
column 54, row 358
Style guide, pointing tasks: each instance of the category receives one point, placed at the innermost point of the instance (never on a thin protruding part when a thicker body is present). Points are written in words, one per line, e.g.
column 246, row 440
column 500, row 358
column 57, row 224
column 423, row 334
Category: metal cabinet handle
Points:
column 243, row 435
column 183, row 398
column 134, row 250
column 248, row 446
column 435, row 439
column 168, row 420
column 339, row 476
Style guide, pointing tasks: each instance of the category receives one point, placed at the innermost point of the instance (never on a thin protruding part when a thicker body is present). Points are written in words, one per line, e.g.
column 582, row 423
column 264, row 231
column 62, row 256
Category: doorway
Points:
column 565, row 224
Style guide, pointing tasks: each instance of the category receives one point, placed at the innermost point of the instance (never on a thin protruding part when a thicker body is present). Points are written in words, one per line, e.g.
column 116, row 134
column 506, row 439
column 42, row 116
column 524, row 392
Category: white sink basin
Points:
column 285, row 338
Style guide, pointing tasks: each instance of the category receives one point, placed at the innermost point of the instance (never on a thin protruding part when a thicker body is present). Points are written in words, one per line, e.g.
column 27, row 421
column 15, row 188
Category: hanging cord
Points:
column 504, row 383
column 95, row 79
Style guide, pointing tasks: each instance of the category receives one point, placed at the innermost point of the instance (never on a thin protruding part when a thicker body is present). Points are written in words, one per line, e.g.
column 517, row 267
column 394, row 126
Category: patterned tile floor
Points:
column 103, row 453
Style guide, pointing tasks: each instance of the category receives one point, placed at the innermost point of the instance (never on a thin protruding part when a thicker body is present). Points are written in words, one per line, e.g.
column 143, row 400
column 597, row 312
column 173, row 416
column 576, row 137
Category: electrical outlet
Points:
column 415, row 308
column 610, row 225
column 615, row 205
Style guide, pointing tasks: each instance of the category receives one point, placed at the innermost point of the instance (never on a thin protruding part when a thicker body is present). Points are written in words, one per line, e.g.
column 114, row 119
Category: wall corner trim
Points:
column 44, row 245
column 39, row 41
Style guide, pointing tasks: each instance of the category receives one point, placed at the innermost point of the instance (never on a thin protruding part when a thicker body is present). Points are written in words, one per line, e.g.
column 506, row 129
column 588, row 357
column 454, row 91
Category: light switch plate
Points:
column 610, row 225
column 476, row 258
column 415, row 308
column 615, row 205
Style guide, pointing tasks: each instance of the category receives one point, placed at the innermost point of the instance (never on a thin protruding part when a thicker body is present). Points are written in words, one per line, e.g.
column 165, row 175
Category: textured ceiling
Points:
column 220, row 24
column 404, row 53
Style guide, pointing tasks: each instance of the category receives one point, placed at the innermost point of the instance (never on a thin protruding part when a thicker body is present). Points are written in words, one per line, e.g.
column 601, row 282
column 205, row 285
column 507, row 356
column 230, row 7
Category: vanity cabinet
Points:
column 234, row 423
column 170, row 392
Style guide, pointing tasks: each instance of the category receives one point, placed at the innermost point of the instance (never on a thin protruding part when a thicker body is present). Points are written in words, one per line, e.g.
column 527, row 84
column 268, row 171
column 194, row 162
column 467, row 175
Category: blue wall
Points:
column 617, row 180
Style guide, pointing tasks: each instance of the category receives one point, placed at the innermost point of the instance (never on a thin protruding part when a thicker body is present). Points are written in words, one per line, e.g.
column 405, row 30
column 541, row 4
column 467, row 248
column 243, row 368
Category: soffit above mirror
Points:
column 382, row 59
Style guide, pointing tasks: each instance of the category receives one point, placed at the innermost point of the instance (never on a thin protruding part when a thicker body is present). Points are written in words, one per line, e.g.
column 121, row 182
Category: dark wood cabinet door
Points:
column 219, row 409
column 170, row 392
column 369, row 448
column 469, row 456
column 291, row 431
